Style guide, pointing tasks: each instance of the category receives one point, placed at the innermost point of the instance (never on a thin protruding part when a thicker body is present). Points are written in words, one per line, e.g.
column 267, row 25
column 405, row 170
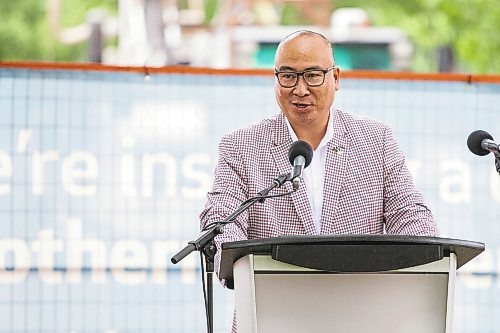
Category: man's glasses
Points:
column 313, row 77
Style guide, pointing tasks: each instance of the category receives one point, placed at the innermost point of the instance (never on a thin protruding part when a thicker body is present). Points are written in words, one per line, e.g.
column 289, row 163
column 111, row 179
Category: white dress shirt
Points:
column 314, row 174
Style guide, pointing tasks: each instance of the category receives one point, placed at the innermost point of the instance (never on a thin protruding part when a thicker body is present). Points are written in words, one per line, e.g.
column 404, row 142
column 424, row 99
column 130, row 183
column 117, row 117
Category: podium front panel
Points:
column 286, row 298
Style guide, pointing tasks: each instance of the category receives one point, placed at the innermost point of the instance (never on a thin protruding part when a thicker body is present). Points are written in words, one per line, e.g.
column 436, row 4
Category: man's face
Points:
column 303, row 104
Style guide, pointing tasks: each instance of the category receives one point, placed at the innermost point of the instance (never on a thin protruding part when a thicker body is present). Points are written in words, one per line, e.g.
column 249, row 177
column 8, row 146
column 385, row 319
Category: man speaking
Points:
column 356, row 183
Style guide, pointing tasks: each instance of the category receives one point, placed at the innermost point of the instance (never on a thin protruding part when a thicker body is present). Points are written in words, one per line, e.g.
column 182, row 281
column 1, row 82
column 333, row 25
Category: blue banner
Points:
column 103, row 175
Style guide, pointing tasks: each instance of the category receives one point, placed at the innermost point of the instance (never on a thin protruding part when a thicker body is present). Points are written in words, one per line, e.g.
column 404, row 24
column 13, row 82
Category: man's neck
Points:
column 312, row 132
column 312, row 135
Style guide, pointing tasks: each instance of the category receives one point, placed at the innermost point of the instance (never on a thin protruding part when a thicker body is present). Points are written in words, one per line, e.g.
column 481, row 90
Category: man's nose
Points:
column 301, row 89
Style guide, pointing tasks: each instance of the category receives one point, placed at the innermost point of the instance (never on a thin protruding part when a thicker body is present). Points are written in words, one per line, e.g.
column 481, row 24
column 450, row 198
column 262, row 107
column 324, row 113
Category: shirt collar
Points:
column 328, row 135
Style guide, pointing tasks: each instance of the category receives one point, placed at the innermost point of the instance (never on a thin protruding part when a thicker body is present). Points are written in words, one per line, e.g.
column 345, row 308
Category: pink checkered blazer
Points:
column 368, row 188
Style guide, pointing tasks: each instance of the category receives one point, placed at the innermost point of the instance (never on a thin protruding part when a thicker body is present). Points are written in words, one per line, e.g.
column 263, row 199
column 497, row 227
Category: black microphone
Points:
column 481, row 143
column 300, row 155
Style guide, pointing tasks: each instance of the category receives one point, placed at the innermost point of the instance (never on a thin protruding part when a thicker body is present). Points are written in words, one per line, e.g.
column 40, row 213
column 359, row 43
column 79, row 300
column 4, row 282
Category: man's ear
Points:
column 336, row 77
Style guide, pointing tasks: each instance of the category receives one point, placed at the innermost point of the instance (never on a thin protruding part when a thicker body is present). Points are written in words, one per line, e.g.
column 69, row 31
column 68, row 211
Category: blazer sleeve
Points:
column 404, row 210
column 229, row 191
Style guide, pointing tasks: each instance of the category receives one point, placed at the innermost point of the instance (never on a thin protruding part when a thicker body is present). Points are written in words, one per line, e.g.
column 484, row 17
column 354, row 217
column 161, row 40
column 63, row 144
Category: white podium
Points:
column 376, row 283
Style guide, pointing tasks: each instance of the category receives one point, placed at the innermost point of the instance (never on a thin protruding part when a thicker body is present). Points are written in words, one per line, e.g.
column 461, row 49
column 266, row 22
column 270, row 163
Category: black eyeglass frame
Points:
column 324, row 71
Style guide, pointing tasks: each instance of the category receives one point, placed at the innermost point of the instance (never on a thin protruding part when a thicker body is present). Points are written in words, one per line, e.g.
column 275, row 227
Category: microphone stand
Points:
column 497, row 160
column 206, row 244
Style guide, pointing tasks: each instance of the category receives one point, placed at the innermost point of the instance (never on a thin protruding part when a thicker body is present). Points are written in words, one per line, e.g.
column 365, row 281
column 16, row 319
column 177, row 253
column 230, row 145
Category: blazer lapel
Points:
column 335, row 173
column 280, row 154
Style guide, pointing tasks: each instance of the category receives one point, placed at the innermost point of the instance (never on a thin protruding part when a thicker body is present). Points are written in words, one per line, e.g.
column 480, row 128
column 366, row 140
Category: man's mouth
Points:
column 301, row 105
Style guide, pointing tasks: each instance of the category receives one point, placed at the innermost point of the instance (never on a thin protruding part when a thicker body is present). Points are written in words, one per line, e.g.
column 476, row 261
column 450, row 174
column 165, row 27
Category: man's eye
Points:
column 288, row 75
column 313, row 75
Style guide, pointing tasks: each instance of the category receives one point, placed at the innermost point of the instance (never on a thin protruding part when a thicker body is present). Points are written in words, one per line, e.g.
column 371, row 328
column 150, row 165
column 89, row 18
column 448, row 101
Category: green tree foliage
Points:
column 25, row 34
column 22, row 28
column 470, row 27
column 210, row 7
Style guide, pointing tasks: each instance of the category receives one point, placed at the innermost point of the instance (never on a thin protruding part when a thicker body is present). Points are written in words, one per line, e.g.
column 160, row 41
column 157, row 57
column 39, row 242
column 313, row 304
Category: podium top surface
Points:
column 350, row 253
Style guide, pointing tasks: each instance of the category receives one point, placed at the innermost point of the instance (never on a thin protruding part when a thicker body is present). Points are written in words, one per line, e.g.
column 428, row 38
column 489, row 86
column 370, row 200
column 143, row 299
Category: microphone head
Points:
column 474, row 142
column 298, row 148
